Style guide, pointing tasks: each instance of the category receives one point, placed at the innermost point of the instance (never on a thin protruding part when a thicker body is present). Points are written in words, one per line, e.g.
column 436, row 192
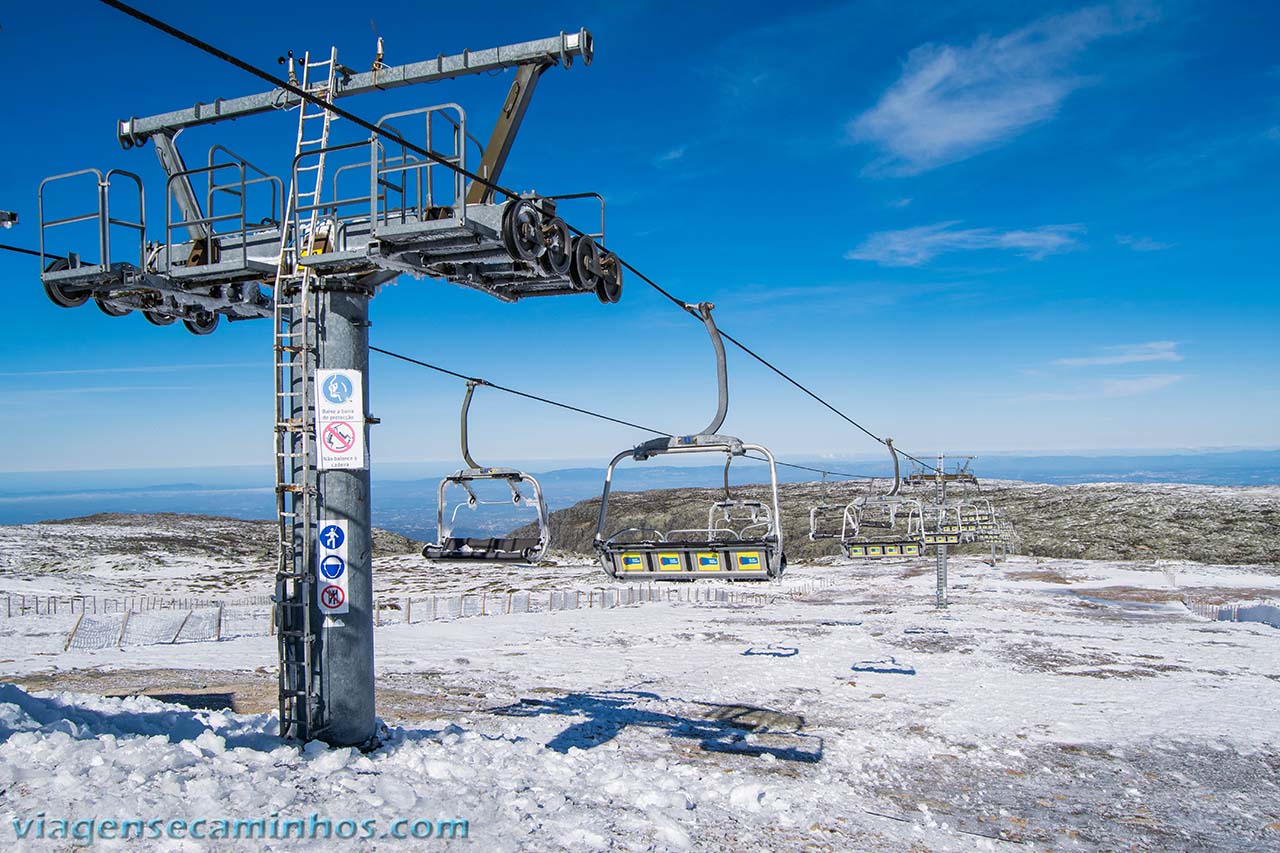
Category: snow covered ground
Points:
column 1064, row 704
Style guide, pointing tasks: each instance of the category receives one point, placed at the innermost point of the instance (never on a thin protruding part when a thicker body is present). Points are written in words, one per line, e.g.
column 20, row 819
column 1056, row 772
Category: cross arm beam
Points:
column 556, row 50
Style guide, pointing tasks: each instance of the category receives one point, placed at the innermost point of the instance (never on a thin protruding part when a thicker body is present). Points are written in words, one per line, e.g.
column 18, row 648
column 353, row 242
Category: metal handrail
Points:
column 423, row 169
column 102, row 214
column 240, row 167
column 597, row 196
column 320, row 204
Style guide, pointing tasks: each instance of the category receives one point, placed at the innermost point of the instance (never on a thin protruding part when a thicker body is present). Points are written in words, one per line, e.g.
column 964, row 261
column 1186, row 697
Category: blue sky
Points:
column 978, row 227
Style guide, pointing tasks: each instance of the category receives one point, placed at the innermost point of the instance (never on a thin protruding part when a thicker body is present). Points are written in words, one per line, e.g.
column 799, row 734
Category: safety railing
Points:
column 599, row 235
column 234, row 179
column 330, row 208
column 101, row 215
column 406, row 182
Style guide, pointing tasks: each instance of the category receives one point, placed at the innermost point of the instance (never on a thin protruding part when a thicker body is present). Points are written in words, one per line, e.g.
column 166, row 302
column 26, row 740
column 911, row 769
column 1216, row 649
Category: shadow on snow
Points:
column 736, row 729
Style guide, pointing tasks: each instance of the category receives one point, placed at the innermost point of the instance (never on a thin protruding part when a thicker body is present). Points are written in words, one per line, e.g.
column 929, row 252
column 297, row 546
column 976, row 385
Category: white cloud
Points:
column 1142, row 244
column 900, row 202
column 1127, row 354
column 1134, row 385
column 951, row 102
column 152, row 368
column 670, row 156
column 1131, row 386
column 911, row 247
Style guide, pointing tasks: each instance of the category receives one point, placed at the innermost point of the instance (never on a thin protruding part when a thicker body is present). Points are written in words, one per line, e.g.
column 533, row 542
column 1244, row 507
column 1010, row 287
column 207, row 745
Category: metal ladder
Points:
column 296, row 358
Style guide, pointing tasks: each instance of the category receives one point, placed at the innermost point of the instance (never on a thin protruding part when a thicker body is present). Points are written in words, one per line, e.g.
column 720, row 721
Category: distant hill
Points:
column 1211, row 524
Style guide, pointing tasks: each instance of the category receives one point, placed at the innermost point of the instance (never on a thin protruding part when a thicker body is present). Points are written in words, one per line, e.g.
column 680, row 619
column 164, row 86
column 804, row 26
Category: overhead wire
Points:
column 21, row 250
column 588, row 412
column 326, row 104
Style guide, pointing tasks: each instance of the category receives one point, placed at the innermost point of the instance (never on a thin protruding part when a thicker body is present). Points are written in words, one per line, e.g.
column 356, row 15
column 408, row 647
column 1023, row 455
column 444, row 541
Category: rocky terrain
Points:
column 1097, row 521
column 159, row 552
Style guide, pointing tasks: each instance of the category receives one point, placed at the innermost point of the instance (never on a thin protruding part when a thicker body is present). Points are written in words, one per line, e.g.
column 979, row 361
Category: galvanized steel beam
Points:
column 557, row 50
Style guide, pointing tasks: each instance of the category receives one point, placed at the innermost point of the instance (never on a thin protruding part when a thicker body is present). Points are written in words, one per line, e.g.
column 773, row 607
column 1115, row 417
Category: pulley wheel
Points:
column 109, row 309
column 522, row 231
column 559, row 254
column 584, row 272
column 202, row 323
column 609, row 287
column 61, row 297
column 155, row 318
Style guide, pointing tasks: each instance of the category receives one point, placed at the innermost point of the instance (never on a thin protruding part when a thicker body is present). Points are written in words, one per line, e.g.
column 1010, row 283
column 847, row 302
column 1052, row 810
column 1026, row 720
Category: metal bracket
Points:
column 183, row 192
column 504, row 131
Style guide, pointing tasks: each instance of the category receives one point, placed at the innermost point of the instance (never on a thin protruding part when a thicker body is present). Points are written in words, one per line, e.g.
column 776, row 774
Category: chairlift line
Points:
column 311, row 267
column 589, row 413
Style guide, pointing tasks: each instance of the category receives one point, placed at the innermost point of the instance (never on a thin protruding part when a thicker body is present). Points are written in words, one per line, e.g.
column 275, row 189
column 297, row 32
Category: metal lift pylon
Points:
column 324, row 255
column 305, row 706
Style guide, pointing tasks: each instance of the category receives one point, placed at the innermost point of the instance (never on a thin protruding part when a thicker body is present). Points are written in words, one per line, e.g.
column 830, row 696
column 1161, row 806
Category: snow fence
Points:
column 208, row 623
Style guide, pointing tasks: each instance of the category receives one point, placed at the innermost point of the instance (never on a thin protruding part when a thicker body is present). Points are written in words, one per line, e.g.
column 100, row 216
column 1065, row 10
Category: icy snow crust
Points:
column 1064, row 704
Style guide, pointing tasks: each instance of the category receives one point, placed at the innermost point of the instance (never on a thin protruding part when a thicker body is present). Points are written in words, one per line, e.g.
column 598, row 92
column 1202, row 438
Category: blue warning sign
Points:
column 337, row 388
column 332, row 537
column 332, row 567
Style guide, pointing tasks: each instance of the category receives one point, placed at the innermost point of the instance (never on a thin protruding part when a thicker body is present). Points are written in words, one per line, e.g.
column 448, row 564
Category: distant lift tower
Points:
column 355, row 216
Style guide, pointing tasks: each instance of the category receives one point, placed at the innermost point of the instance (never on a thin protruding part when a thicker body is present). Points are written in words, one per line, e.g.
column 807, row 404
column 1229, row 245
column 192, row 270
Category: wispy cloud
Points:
column 851, row 297
column 670, row 156
column 951, row 103
column 151, row 368
column 1126, row 354
column 1142, row 244
column 900, row 202
column 103, row 389
column 1131, row 386
column 911, row 247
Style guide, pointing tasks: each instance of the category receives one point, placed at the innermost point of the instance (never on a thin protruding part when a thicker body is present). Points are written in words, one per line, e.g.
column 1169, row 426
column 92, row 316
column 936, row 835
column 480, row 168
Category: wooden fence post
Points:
column 124, row 623
column 408, row 610
column 74, row 628
column 181, row 625
column 218, row 635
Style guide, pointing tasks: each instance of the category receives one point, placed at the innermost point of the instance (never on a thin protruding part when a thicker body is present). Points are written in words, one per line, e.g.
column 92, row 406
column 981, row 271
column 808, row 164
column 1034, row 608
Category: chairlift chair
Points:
column 742, row 539
column 826, row 520
column 947, row 527
column 502, row 549
column 873, row 523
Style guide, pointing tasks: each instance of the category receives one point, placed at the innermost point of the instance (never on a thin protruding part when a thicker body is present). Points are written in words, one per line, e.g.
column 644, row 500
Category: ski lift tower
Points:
column 355, row 216
column 940, row 478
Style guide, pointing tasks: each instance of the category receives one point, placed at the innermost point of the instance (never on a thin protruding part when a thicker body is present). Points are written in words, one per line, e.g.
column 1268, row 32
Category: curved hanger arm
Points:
column 897, row 472
column 466, row 406
column 703, row 310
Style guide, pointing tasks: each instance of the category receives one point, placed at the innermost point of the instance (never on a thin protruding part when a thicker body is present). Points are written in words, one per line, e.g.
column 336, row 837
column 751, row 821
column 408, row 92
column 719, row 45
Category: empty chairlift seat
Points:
column 742, row 539
column 481, row 548
column 884, row 526
column 501, row 549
